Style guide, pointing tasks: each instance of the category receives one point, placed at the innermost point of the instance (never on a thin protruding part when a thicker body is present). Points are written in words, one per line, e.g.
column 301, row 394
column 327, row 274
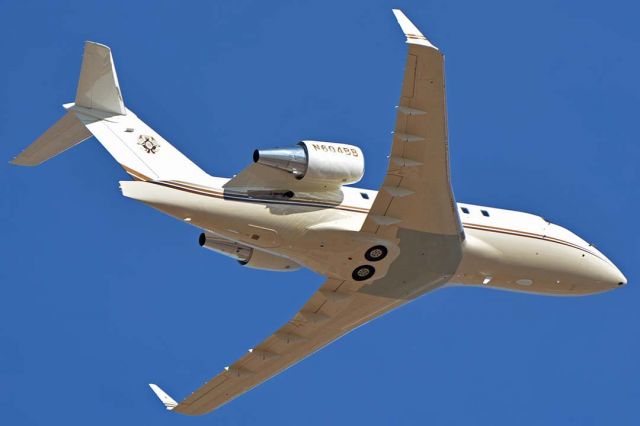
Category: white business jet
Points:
column 290, row 209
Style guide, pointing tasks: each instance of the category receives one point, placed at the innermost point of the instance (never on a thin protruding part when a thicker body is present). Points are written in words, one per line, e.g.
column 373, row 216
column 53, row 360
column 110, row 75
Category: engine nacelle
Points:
column 262, row 260
column 245, row 255
column 328, row 162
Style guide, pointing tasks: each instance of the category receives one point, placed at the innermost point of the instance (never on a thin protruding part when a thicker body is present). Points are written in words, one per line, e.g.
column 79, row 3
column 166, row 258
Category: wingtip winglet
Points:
column 168, row 402
column 413, row 34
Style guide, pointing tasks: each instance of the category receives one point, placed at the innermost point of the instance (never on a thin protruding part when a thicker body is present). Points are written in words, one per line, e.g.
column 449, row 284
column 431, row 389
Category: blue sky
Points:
column 101, row 295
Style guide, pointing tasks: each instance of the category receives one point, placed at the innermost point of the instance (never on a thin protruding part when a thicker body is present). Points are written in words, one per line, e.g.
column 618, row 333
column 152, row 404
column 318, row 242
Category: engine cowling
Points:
column 326, row 162
column 245, row 255
column 262, row 260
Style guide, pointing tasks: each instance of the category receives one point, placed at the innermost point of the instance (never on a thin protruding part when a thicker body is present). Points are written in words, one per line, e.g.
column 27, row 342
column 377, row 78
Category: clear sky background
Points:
column 101, row 295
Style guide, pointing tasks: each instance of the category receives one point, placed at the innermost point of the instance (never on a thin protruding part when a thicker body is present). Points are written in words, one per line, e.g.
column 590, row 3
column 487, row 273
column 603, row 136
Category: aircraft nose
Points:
column 616, row 277
column 622, row 280
column 608, row 273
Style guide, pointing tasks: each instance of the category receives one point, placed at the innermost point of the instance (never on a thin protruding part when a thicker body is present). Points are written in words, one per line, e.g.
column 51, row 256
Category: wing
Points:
column 334, row 310
column 415, row 209
column 416, row 193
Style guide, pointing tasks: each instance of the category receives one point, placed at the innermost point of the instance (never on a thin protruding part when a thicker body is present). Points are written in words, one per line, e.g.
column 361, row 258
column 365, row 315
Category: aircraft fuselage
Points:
column 502, row 249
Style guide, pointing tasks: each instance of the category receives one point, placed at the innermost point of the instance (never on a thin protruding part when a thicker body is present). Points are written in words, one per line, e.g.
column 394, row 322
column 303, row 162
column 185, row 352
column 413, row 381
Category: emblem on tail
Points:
column 149, row 144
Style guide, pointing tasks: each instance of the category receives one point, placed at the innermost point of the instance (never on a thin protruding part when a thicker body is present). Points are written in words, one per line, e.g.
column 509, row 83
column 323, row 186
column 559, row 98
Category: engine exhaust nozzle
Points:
column 293, row 160
column 226, row 247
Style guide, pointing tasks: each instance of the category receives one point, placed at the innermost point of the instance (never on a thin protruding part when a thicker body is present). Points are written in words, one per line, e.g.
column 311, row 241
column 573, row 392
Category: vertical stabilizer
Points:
column 98, row 87
column 99, row 111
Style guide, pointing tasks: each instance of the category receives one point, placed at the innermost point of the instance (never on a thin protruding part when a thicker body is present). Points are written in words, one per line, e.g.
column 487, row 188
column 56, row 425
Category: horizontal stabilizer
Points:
column 168, row 402
column 66, row 133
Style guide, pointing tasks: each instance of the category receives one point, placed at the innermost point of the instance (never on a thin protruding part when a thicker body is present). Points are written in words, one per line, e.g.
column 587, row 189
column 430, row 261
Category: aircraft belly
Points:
column 526, row 263
column 428, row 261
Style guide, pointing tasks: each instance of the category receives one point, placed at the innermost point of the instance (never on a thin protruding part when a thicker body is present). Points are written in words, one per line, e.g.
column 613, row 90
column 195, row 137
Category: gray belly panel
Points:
column 426, row 262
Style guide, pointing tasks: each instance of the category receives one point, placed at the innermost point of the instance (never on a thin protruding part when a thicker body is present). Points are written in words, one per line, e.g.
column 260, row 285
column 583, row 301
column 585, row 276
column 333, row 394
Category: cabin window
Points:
column 364, row 195
column 485, row 213
column 464, row 210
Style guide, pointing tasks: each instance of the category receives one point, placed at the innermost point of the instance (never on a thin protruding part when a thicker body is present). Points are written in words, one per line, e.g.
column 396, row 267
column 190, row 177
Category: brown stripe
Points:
column 202, row 190
column 136, row 174
column 528, row 235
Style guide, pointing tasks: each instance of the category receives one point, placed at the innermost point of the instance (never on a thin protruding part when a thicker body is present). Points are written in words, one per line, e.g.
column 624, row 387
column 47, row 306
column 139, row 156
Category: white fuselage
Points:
column 502, row 249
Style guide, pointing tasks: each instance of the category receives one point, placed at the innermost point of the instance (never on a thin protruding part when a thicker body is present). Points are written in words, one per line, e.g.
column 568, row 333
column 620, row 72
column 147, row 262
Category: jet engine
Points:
column 325, row 162
column 245, row 255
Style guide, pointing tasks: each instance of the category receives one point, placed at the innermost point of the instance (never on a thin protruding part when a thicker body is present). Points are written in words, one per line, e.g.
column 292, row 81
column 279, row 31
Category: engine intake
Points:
column 315, row 160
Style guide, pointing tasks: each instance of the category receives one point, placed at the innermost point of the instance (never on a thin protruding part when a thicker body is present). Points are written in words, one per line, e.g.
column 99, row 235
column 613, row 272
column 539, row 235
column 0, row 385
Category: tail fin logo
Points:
column 149, row 144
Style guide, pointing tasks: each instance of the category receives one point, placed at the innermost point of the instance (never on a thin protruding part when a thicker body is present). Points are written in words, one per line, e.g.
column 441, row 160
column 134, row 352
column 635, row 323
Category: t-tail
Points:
column 99, row 110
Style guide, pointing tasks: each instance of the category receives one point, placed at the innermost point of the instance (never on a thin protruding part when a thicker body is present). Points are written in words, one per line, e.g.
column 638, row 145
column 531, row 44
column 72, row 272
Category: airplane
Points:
column 292, row 208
